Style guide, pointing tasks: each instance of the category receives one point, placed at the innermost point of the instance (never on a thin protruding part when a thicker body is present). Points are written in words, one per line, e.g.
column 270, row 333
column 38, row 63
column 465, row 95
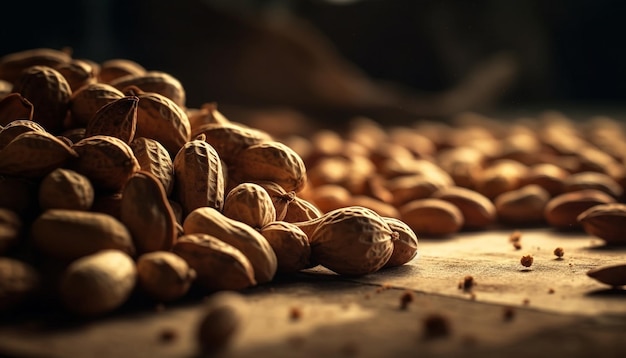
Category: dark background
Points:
column 567, row 51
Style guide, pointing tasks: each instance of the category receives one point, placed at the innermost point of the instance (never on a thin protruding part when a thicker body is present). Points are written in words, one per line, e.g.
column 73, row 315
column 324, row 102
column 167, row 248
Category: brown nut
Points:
column 606, row 221
column 147, row 214
column 99, row 283
column 220, row 323
column 405, row 246
column 154, row 159
column 523, row 206
column 432, row 217
column 107, row 161
column 49, row 93
column 19, row 281
column 116, row 119
column 614, row 275
column 271, row 161
column 218, row 265
column 65, row 189
column 478, row 211
column 34, row 154
column 164, row 276
column 251, row 243
column 86, row 101
column 290, row 244
column 14, row 106
column 10, row 229
column 199, row 178
column 350, row 241
column 70, row 234
column 250, row 204
column 562, row 211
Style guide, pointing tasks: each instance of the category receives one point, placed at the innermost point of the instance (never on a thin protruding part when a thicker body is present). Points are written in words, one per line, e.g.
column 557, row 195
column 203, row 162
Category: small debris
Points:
column 168, row 335
column 559, row 252
column 517, row 246
column 406, row 298
column 468, row 283
column 551, row 291
column 526, row 301
column 295, row 313
column 508, row 313
column 436, row 325
column 526, row 260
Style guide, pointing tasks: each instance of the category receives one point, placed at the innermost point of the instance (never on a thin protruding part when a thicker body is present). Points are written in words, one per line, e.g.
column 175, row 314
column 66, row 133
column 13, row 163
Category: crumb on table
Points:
column 526, row 260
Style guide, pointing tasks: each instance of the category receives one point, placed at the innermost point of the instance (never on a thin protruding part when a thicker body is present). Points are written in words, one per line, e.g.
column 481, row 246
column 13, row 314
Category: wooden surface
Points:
column 361, row 317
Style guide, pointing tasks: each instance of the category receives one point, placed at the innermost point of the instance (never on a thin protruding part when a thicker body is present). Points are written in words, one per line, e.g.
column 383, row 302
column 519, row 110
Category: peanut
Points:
column 164, row 276
column 147, row 214
column 70, row 234
column 19, row 281
column 290, row 244
column 199, row 180
column 219, row 266
column 251, row 243
column 432, row 217
column 65, row 189
column 14, row 106
column 350, row 241
column 99, row 283
column 250, row 204
column 605, row 221
column 561, row 212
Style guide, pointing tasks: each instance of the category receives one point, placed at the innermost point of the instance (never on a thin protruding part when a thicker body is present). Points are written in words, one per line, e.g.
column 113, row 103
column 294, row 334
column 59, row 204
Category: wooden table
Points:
column 555, row 309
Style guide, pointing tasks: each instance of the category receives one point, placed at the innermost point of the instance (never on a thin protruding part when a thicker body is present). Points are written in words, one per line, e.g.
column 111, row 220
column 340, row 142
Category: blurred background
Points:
column 392, row 59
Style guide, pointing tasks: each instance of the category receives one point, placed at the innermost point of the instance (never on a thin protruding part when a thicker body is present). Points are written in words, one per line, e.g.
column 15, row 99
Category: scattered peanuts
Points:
column 85, row 146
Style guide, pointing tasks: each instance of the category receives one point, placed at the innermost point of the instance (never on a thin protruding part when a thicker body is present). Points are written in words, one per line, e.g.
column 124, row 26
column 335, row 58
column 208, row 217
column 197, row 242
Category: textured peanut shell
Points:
column 280, row 197
column 12, row 65
column 501, row 176
column 86, row 101
column 49, row 93
column 300, row 209
column 154, row 81
column 99, row 283
column 147, row 214
column 219, row 266
column 250, row 204
column 78, row 73
column 229, row 139
column 34, row 154
column 70, row 234
column 250, row 242
column 65, row 189
column 350, row 241
column 164, row 276
column 107, row 161
column 154, row 159
column 163, row 120
column 119, row 67
column 116, row 119
column 14, row 128
column 290, row 244
column 405, row 246
column 272, row 161
column 14, row 106
column 199, row 180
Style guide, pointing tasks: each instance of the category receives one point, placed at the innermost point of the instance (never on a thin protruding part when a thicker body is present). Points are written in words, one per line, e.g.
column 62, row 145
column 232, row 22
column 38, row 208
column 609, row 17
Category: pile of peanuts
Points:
column 110, row 184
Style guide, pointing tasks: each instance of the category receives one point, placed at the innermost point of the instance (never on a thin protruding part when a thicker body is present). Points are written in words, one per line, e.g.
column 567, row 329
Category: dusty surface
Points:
column 566, row 313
